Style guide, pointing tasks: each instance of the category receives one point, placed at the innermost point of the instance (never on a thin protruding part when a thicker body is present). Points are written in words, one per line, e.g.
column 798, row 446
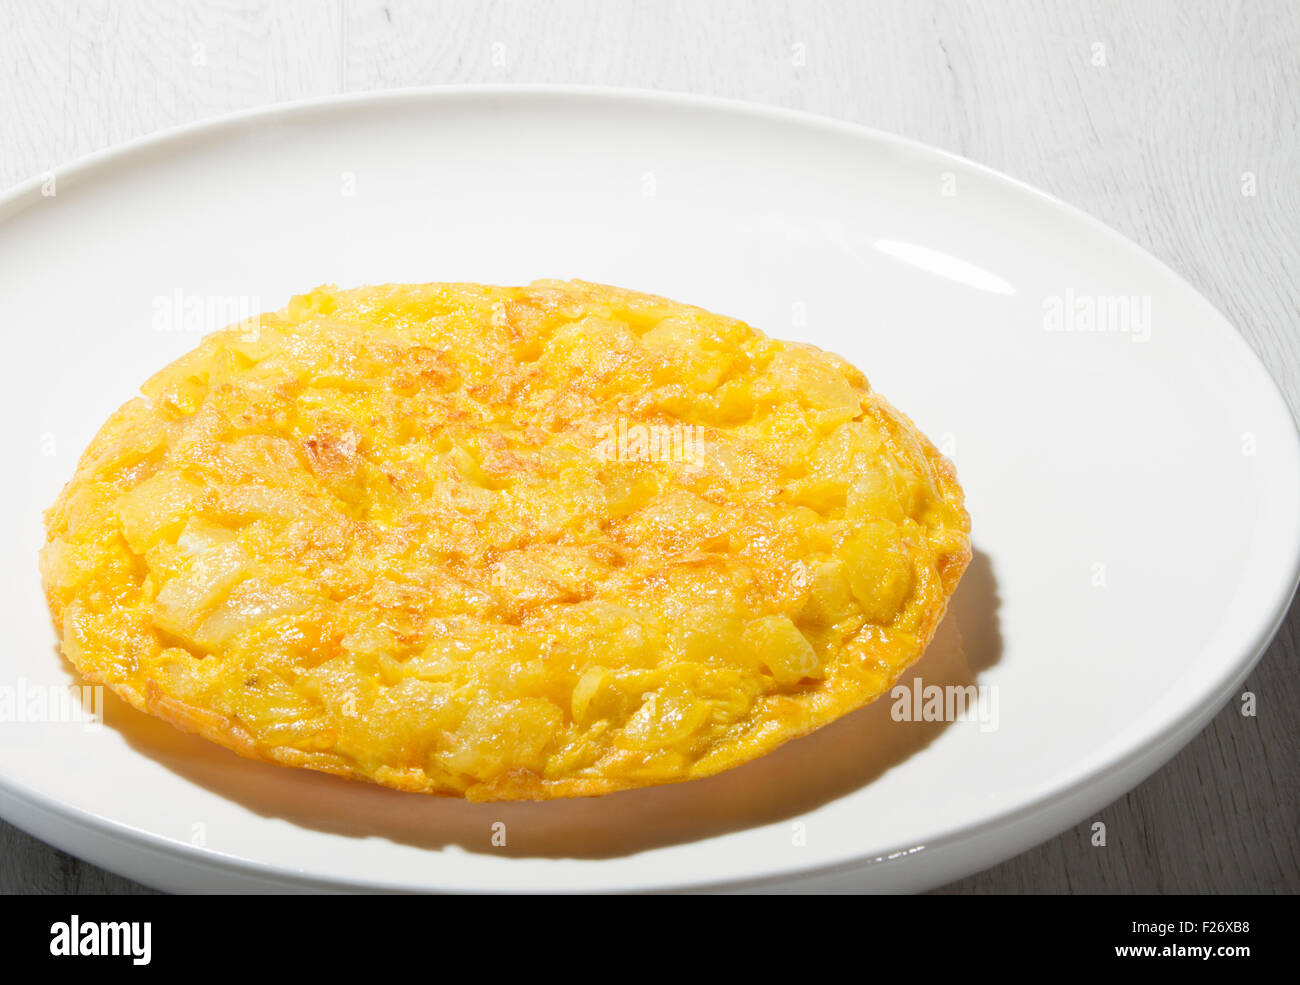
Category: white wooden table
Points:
column 1160, row 118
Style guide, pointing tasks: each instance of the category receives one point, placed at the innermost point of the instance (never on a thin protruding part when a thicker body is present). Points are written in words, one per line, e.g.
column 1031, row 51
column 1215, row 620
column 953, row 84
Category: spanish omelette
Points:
column 503, row 543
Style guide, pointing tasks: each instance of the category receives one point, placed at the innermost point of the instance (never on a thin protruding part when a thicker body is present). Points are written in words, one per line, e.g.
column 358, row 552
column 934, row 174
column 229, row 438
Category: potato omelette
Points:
column 503, row 542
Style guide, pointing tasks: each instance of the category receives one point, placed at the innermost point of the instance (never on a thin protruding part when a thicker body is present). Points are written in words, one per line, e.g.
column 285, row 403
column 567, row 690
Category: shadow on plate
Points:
column 836, row 760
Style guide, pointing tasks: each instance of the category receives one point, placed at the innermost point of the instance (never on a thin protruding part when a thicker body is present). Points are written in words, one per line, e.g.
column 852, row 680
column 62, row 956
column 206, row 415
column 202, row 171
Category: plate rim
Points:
column 1092, row 789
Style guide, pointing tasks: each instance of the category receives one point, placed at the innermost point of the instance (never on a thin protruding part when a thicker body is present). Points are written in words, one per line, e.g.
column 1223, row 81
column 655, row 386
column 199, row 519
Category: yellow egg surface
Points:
column 503, row 542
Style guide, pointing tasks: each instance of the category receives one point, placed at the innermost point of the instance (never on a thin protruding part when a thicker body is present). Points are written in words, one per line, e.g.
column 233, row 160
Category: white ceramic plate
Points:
column 1132, row 473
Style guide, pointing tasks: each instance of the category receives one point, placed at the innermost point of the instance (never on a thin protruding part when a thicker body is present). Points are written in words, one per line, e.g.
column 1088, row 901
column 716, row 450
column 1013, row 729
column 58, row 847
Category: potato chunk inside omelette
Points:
column 503, row 543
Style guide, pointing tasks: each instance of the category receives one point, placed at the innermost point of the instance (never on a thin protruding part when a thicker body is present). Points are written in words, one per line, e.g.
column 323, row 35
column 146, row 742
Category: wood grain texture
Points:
column 1154, row 117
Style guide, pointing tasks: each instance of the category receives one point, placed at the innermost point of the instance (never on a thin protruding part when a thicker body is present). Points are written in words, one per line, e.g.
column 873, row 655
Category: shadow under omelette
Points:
column 799, row 776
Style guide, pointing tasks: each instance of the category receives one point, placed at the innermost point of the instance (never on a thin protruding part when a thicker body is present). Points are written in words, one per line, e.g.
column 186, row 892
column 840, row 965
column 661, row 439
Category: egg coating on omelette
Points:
column 503, row 543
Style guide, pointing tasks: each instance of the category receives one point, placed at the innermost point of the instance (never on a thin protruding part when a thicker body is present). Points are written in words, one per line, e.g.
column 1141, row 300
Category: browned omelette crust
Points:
column 503, row 543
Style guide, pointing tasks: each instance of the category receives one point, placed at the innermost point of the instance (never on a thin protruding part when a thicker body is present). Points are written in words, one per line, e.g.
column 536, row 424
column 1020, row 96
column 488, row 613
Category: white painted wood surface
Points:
column 1156, row 117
